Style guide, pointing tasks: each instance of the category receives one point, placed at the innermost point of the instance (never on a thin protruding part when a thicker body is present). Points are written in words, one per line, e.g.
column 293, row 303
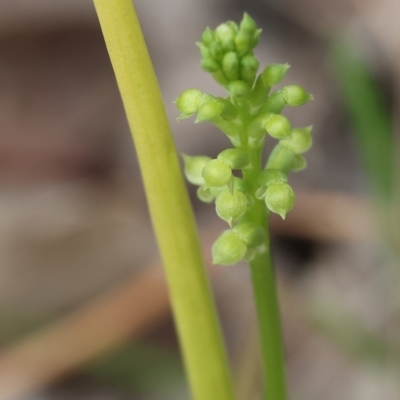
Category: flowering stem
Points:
column 263, row 279
column 265, row 296
column 194, row 311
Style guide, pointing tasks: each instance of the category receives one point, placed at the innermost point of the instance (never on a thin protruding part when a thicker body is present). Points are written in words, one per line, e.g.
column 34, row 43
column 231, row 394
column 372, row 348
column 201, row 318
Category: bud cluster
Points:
column 246, row 116
column 227, row 53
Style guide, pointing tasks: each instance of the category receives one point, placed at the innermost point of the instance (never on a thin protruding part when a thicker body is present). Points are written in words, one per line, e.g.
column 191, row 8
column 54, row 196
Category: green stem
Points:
column 263, row 278
column 193, row 306
column 265, row 295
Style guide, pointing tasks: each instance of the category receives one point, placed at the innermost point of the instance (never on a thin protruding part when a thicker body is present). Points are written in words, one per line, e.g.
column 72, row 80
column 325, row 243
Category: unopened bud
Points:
column 230, row 65
column 253, row 235
column 282, row 158
column 278, row 127
column 208, row 36
column 188, row 102
column 216, row 50
column 274, row 73
column 205, row 195
column 216, row 173
column 300, row 141
column 295, row 95
column 239, row 88
column 209, row 110
column 248, row 24
column 243, row 42
column 228, row 249
column 231, row 206
column 194, row 168
column 272, row 176
column 299, row 163
column 225, row 34
column 209, row 64
column 275, row 103
column 205, row 53
column 235, row 158
column 220, row 77
column 279, row 198
column 257, row 128
column 248, row 68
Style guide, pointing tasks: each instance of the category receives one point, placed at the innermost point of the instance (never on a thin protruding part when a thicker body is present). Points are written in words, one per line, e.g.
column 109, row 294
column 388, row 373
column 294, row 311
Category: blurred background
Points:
column 84, row 310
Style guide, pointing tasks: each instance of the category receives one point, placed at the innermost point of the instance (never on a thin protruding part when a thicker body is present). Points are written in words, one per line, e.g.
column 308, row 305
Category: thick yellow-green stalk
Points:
column 194, row 311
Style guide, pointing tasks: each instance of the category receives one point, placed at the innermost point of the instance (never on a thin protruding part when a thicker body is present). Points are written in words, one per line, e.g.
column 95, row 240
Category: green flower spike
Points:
column 279, row 198
column 216, row 174
column 250, row 110
column 228, row 249
column 231, row 206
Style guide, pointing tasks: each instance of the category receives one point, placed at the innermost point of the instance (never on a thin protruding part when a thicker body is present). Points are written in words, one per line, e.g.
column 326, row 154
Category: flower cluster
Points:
column 246, row 116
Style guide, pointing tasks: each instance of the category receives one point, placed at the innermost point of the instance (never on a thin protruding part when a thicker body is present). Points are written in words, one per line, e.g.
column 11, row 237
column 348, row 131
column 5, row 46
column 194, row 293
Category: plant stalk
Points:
column 265, row 296
column 263, row 279
column 194, row 311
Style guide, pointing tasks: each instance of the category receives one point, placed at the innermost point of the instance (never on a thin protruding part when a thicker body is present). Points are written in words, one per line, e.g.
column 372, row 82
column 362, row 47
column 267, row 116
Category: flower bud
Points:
column 235, row 158
column 230, row 65
column 228, row 249
column 252, row 235
column 300, row 141
column 248, row 68
column 278, row 127
column 205, row 195
column 256, row 128
column 256, row 38
column 188, row 102
column 239, row 88
column 216, row 173
column 295, row 95
column 243, row 42
column 248, row 24
column 272, row 176
column 274, row 73
column 282, row 158
column 208, row 36
column 231, row 206
column 225, row 34
column 194, row 168
column 259, row 94
column 275, row 103
column 260, row 193
column 205, row 53
column 216, row 50
column 209, row 64
column 220, row 77
column 209, row 110
column 279, row 198
column 299, row 163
